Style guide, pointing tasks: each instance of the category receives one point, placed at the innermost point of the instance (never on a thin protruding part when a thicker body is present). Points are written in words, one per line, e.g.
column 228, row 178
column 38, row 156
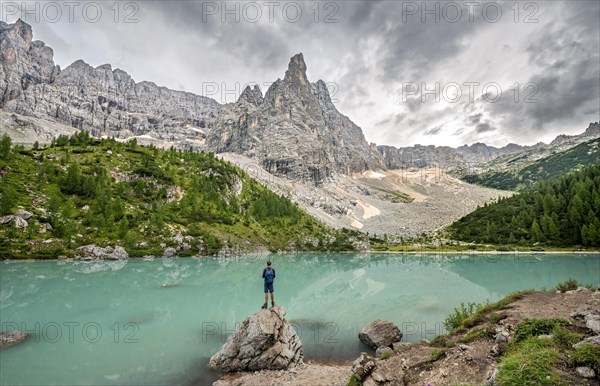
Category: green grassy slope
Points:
column 109, row 193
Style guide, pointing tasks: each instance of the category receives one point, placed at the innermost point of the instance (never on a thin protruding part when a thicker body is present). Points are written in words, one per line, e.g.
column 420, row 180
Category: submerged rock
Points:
column 10, row 338
column 264, row 341
column 380, row 333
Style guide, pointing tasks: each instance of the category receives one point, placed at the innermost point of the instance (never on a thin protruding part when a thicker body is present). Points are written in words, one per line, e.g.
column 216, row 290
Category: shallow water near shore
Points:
column 158, row 322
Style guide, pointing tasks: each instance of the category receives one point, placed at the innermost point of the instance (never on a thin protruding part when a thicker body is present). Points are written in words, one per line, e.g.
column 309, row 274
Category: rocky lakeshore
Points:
column 470, row 355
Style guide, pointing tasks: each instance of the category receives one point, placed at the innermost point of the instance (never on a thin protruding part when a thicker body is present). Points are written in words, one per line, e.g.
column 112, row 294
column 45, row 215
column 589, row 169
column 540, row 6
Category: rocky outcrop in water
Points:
column 10, row 338
column 264, row 341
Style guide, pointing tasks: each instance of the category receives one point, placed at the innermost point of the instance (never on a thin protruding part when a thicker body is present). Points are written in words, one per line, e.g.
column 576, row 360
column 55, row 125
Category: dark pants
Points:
column 269, row 287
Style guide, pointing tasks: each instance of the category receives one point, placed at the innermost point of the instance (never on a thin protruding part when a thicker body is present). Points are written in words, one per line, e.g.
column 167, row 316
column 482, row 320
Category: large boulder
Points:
column 380, row 333
column 9, row 338
column 264, row 341
column 94, row 252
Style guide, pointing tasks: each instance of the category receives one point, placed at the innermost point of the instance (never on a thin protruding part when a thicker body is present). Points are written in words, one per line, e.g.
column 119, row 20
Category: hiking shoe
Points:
column 272, row 304
column 264, row 306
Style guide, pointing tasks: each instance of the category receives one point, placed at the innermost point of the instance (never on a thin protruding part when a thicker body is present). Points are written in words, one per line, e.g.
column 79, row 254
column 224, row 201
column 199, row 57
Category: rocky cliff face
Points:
column 593, row 131
column 444, row 156
column 419, row 156
column 24, row 62
column 101, row 100
column 294, row 131
column 478, row 153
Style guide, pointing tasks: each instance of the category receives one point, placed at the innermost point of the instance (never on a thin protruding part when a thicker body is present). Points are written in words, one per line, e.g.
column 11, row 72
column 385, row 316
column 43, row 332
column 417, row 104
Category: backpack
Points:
column 269, row 275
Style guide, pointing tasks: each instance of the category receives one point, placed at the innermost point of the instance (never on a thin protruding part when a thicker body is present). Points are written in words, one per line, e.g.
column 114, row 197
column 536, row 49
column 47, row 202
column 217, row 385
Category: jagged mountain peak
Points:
column 252, row 95
column 297, row 63
column 19, row 28
column 79, row 63
column 593, row 129
column 323, row 93
column 23, row 62
column 295, row 76
column 295, row 132
column 104, row 67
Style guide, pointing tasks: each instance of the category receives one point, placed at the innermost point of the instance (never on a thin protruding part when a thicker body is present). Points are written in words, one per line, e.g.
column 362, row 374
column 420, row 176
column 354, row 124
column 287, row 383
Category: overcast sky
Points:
column 377, row 56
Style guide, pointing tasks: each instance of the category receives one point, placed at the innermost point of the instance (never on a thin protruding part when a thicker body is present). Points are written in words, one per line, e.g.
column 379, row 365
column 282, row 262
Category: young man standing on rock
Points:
column 269, row 276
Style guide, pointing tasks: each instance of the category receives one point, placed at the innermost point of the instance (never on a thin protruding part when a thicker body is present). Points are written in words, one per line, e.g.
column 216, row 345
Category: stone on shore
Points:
column 264, row 341
column 170, row 252
column 380, row 333
column 90, row 252
column 363, row 366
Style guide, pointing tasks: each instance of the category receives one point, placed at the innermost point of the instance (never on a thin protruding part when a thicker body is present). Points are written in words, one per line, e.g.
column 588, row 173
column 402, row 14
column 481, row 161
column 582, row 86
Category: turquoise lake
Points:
column 158, row 321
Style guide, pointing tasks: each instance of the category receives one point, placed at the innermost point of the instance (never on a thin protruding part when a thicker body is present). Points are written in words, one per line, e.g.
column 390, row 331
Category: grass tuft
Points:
column 529, row 363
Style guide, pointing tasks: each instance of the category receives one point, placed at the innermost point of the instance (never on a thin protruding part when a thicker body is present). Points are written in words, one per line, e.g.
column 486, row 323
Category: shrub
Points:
column 567, row 285
column 437, row 354
column 460, row 314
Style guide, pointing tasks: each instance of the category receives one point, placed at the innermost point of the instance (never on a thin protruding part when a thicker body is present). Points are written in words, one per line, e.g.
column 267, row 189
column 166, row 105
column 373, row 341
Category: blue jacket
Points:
column 264, row 275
